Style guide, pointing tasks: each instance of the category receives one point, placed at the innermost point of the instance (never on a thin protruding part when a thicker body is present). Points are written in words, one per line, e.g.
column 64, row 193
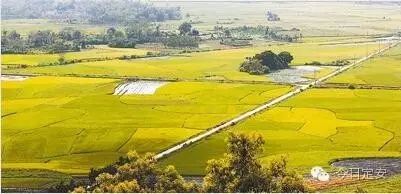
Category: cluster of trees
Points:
column 89, row 11
column 146, row 33
column 250, row 32
column 73, row 40
column 239, row 170
column 42, row 41
column 235, row 42
column 341, row 62
column 265, row 62
column 187, row 29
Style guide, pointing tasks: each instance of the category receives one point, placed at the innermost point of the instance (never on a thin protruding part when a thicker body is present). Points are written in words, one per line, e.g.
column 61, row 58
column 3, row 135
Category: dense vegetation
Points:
column 73, row 40
column 237, row 171
column 42, row 41
column 265, row 62
column 181, row 41
column 342, row 62
column 89, row 11
column 260, row 31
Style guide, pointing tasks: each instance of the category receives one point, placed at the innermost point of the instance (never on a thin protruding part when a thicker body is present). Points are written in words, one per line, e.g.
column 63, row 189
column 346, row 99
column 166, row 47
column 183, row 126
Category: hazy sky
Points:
column 270, row 0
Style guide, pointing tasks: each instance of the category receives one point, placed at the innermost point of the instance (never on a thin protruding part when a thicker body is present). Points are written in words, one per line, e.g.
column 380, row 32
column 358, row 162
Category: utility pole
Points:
column 367, row 34
column 314, row 75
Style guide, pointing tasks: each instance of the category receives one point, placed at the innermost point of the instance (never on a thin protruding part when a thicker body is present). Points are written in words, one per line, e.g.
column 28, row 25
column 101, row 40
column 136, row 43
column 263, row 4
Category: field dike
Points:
column 138, row 87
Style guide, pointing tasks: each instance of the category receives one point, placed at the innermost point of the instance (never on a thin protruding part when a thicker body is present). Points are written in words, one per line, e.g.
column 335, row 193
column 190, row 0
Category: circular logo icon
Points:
column 316, row 171
column 323, row 176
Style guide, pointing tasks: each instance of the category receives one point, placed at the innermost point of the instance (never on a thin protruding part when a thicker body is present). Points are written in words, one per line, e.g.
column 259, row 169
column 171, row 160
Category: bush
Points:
column 339, row 63
column 314, row 63
column 351, row 86
column 181, row 42
column 122, row 43
column 235, row 42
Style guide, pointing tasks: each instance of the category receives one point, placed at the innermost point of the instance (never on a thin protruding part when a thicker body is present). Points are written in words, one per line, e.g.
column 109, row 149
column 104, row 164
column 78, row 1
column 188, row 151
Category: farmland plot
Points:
column 72, row 124
column 100, row 51
column 314, row 128
column 213, row 65
column 382, row 70
column 313, row 18
column 138, row 87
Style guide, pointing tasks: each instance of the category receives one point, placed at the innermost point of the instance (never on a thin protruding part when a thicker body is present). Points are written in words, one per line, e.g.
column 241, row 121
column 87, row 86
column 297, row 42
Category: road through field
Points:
column 298, row 89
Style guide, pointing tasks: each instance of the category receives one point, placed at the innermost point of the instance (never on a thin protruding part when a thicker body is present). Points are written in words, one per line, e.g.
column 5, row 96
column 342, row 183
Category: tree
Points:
column 140, row 174
column 270, row 59
column 170, row 181
column 61, row 59
column 41, row 38
column 76, row 35
column 185, row 28
column 286, row 57
column 227, row 33
column 92, row 11
column 254, row 67
column 12, row 42
column 240, row 171
column 266, row 61
column 195, row 32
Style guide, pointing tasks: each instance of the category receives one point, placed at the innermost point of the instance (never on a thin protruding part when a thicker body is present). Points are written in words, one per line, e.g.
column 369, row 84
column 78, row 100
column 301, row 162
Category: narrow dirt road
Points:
column 246, row 115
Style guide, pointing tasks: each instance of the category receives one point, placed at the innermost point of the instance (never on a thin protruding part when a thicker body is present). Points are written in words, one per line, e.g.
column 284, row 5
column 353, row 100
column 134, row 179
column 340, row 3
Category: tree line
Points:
column 239, row 170
column 42, row 41
column 265, row 62
column 89, row 11
column 260, row 31
column 47, row 41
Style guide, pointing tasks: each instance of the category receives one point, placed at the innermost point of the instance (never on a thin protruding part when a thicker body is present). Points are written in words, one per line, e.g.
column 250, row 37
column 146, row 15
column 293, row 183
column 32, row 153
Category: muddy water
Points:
column 294, row 74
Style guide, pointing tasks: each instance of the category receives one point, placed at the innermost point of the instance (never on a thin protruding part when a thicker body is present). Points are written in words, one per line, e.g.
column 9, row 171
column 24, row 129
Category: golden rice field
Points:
column 72, row 124
column 61, row 123
column 312, row 129
column 215, row 65
column 383, row 70
column 101, row 51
